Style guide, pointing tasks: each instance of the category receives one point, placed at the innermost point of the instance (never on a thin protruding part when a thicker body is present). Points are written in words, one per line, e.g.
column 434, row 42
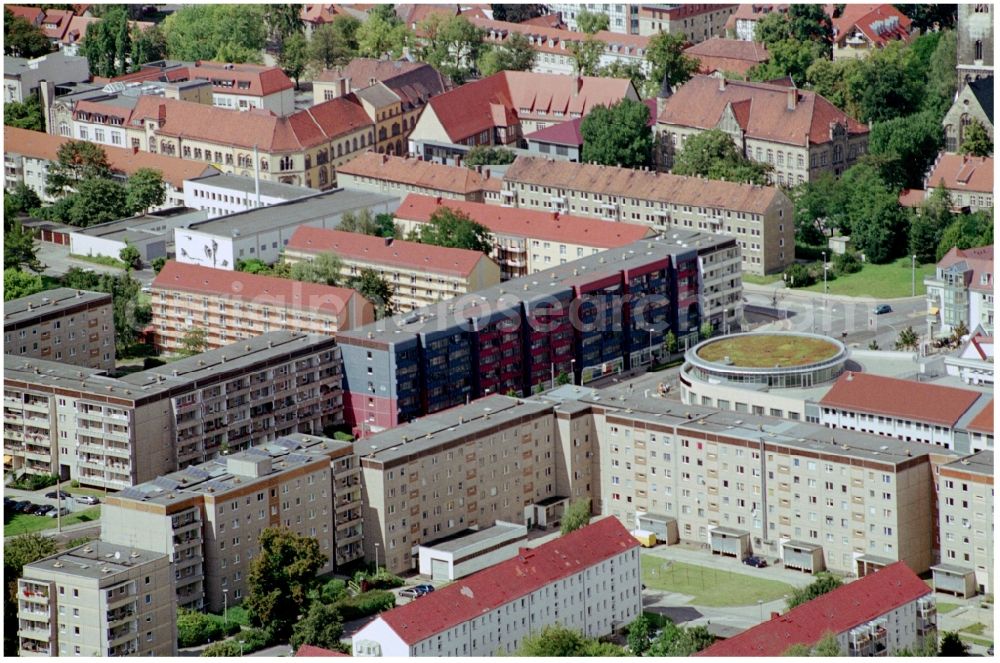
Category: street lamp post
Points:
column 760, row 604
column 824, row 276
column 376, row 557
column 650, row 348
column 225, row 607
column 913, row 276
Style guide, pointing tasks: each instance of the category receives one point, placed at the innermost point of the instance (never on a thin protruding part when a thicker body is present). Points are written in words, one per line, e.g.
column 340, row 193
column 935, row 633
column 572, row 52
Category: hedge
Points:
column 365, row 604
column 197, row 628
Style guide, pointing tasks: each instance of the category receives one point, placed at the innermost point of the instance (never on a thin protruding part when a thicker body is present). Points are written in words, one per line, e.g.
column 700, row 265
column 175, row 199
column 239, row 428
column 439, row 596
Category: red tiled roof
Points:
column 838, row 611
column 261, row 80
column 33, row 15
column 413, row 82
column 78, row 26
column 412, row 255
column 983, row 422
column 309, row 650
column 59, row 19
column 414, row 172
column 264, row 290
column 880, row 23
column 557, row 40
column 735, row 55
column 978, row 263
column 466, row 110
column 270, row 133
column 962, row 172
column 700, row 103
column 530, row 570
column 917, row 401
column 534, row 224
column 564, row 133
column 912, row 197
column 46, row 146
column 682, row 11
column 318, row 14
column 546, row 21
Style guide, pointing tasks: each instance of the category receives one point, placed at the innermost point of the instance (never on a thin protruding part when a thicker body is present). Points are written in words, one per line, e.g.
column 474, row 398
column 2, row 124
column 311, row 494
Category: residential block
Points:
column 74, row 327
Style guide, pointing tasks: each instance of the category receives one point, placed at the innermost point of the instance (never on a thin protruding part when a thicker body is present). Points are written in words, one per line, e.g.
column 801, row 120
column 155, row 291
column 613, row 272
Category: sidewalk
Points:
column 792, row 293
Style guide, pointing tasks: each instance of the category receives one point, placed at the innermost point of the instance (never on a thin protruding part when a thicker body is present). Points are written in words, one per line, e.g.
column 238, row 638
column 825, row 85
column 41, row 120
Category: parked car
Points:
column 22, row 506
column 423, row 589
column 882, row 308
column 409, row 593
column 61, row 511
column 87, row 499
column 43, row 509
column 753, row 560
column 34, row 509
column 56, row 494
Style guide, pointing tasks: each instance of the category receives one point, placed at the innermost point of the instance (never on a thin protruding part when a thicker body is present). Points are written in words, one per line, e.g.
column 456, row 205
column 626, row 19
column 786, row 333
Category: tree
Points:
column 618, row 135
column 910, row 144
column 282, row 22
column 98, row 200
column 253, row 266
column 382, row 35
column 876, row 222
column 552, row 641
column 129, row 316
column 967, row 231
column 811, row 23
column 204, row 32
column 144, row 189
column 577, row 515
column 638, row 635
column 670, row 342
column 197, row 628
column 280, row 577
column 335, row 43
column 148, row 45
column 18, row 284
column 941, row 83
column 907, row 339
column 294, row 56
column 665, row 54
column 798, row 275
column 563, row 378
column 452, row 44
column 977, row 140
column 27, row 114
column 486, row 155
column 23, row 39
column 158, row 264
column 19, row 248
column 789, row 57
column 847, row 263
column 798, row 649
column 828, row 78
column 677, row 641
column 76, row 160
column 928, row 16
column 453, row 229
column 109, row 44
column 884, row 86
column 377, row 290
column 714, row 155
column 517, row 13
column 823, row 583
column 514, row 54
column 22, row 200
column 586, row 55
column 706, row 330
column 632, row 71
column 325, row 268
column 592, row 22
column 321, row 627
column 928, row 226
column 131, row 257
column 364, row 222
column 873, row 345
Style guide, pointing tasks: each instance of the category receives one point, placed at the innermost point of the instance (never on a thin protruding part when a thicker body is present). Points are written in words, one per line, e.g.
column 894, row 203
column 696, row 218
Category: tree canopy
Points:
column 109, row 43
column 27, row 114
column 516, row 13
column 22, row 39
column 823, row 583
column 144, row 190
column 557, row 640
column 204, row 32
column 382, row 34
column 586, row 55
column 678, row 641
column 909, row 144
column 451, row 44
column 967, row 231
column 665, row 54
column 886, row 84
column 577, row 515
column 325, row 268
column 487, row 155
column 76, row 160
column 714, row 155
column 280, row 578
column 321, row 627
column 17, row 283
column 514, row 54
column 334, row 44
column 618, row 135
column 457, row 230
column 592, row 22
column 366, row 223
column 377, row 290
column 977, row 141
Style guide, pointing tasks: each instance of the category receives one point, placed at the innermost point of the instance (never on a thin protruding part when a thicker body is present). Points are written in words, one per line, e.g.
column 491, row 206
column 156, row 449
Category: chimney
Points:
column 439, row 200
column 487, row 173
column 722, row 84
column 135, row 149
column 388, row 241
column 579, row 85
column 793, row 98
column 775, row 614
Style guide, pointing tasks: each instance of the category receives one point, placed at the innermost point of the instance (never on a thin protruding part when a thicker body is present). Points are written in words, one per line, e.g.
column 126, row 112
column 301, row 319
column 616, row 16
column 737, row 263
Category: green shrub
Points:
column 197, row 628
column 227, row 648
column 152, row 362
column 847, row 263
column 365, row 604
column 34, row 481
column 238, row 615
column 74, row 484
column 330, row 592
column 345, row 437
column 799, row 276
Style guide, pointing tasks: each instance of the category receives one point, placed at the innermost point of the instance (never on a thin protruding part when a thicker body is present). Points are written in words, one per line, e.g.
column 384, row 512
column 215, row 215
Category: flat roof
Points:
column 91, row 559
column 500, row 531
column 978, row 463
column 293, row 212
column 48, row 301
column 146, row 226
column 246, row 185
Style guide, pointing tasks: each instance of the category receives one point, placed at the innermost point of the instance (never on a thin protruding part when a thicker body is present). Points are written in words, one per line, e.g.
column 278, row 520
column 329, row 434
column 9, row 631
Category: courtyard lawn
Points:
column 887, row 281
column 25, row 524
column 710, row 587
column 944, row 608
column 761, row 280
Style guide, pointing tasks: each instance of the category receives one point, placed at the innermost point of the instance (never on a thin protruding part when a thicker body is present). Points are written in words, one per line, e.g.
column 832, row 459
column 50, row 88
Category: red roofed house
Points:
column 862, row 28
column 968, row 180
column 500, row 109
column 394, row 175
column 973, row 363
column 904, row 409
column 56, row 23
column 588, row 580
column 231, row 306
column 527, row 241
column 965, row 521
column 727, row 55
column 419, row 274
column 878, row 615
column 77, row 31
column 33, row 15
column 558, row 141
column 799, row 133
column 961, row 290
column 309, row 650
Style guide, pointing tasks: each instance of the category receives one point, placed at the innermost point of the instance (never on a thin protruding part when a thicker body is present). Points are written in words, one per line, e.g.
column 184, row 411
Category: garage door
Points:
column 439, row 569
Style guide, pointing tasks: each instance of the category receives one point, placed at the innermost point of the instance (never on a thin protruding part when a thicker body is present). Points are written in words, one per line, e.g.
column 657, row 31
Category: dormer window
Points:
column 985, row 279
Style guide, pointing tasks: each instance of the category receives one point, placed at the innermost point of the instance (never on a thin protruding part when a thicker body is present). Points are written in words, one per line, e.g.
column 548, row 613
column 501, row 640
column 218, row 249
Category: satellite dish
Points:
column 118, row 555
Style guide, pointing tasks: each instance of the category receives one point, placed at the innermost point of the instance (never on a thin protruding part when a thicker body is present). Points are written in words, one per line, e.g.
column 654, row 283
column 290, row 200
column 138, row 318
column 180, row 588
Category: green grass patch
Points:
column 107, row 261
column 761, row 280
column 93, row 492
column 944, row 608
column 708, row 586
column 25, row 524
column 767, row 350
column 968, row 639
column 887, row 281
column 975, row 629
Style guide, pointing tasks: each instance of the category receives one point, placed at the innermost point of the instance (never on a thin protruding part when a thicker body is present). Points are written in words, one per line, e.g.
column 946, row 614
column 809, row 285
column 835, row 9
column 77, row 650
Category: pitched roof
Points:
column 468, row 110
column 309, row 650
column 78, row 26
column 983, row 422
column 46, row 146
column 385, row 251
column 700, row 103
column 838, row 611
column 983, row 90
column 912, row 197
column 546, row 21
column 265, row 290
column 257, row 80
column 962, row 172
column 735, row 55
column 414, row 172
column 879, row 23
column 318, row 14
column 977, row 264
column 59, row 20
column 557, row 40
column 414, row 82
column 647, row 185
column 270, row 133
column 511, row 579
column 916, row 401
column 563, row 133
column 753, row 12
column 517, row 222
column 33, row 15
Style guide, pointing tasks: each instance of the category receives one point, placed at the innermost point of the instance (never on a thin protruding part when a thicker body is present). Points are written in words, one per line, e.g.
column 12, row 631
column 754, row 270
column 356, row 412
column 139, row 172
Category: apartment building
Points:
column 208, row 518
column 592, row 317
column 695, row 21
column 622, row 18
column 553, row 47
column 420, row 274
column 588, row 581
column 222, row 194
column 798, row 133
column 231, row 306
column 65, row 325
column 965, row 516
column 760, row 218
column 109, row 432
column 397, row 176
column 878, row 615
column 95, row 600
column 968, row 181
column 527, row 241
column 860, row 29
column 22, row 77
column 961, row 290
column 727, row 56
